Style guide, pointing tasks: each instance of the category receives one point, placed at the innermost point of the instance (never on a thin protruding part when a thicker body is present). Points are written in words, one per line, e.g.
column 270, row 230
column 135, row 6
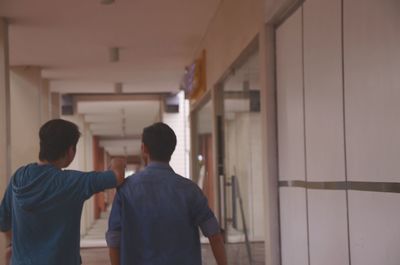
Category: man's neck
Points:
column 158, row 162
column 58, row 163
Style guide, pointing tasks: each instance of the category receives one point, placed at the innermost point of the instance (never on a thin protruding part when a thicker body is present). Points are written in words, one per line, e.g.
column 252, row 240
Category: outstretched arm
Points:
column 218, row 248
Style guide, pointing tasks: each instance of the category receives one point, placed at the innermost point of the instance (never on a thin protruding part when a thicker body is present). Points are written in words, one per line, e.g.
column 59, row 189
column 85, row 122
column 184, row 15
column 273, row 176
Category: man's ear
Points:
column 71, row 152
column 145, row 150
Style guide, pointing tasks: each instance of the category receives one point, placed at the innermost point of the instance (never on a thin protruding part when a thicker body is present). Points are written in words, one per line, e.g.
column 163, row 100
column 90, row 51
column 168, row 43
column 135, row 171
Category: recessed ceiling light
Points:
column 107, row 2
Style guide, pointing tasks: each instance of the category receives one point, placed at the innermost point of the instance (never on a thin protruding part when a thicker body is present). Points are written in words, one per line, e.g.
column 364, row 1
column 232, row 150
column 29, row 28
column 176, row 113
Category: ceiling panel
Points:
column 71, row 41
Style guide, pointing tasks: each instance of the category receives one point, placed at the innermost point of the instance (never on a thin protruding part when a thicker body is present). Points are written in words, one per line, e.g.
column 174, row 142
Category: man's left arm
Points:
column 5, row 221
column 208, row 223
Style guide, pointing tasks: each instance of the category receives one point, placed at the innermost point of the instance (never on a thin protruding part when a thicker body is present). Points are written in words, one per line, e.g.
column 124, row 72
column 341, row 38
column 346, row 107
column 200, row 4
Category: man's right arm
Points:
column 83, row 185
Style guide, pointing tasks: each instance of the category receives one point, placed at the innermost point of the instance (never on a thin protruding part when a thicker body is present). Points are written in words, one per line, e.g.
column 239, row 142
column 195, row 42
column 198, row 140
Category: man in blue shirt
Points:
column 156, row 214
column 42, row 205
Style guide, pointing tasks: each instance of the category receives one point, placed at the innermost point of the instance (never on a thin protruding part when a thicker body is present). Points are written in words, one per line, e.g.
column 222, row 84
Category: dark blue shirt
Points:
column 42, row 206
column 156, row 216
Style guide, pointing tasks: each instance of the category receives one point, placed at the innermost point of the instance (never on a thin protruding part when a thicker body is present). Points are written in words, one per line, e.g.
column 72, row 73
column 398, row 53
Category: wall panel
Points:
column 374, row 228
column 290, row 99
column 293, row 226
column 372, row 78
column 323, row 90
column 328, row 227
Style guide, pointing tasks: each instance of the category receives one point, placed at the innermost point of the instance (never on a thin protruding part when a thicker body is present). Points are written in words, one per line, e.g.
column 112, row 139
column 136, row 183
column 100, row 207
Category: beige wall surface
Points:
column 25, row 83
column 243, row 159
column 235, row 25
column 4, row 113
column 83, row 162
column 179, row 122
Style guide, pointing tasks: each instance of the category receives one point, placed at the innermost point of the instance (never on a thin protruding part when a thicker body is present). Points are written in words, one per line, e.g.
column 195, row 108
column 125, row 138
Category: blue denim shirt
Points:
column 42, row 206
column 156, row 216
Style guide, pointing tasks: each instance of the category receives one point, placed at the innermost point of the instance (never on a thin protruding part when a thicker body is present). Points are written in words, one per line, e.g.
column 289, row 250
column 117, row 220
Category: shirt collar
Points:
column 159, row 165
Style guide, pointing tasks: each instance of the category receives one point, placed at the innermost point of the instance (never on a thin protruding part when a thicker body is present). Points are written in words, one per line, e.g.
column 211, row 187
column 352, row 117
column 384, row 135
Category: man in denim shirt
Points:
column 42, row 205
column 156, row 213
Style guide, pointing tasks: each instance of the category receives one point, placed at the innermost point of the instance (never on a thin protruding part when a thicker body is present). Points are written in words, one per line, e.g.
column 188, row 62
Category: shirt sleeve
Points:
column 6, row 210
column 113, row 234
column 203, row 215
column 89, row 183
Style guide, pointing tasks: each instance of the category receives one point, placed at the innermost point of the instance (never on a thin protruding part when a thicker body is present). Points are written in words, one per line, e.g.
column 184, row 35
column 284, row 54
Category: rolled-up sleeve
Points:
column 113, row 234
column 210, row 227
column 203, row 215
column 5, row 210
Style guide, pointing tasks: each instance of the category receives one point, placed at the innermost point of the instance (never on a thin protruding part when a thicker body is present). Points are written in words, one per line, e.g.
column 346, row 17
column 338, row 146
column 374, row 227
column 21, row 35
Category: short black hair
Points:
column 160, row 140
column 56, row 136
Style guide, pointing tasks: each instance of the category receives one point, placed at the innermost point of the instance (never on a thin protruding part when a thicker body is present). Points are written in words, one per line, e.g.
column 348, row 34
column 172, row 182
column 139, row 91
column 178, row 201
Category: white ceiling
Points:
column 122, row 147
column 121, row 122
column 71, row 41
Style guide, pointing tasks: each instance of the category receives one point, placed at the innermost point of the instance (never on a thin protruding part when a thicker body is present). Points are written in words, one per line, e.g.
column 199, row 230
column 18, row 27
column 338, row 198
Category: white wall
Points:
column 4, row 116
column 243, row 159
column 26, row 119
column 372, row 93
column 294, row 235
column 179, row 122
column 84, row 162
column 338, row 121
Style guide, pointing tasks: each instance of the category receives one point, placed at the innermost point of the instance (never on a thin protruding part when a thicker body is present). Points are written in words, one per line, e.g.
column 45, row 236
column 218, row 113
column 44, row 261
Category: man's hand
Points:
column 118, row 166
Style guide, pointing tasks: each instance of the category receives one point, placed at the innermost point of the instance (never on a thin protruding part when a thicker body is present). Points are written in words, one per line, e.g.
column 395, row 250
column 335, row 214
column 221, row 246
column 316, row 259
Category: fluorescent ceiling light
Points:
column 107, row 2
column 114, row 54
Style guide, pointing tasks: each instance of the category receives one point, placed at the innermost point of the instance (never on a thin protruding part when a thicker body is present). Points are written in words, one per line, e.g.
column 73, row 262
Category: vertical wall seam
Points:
column 345, row 132
column 305, row 133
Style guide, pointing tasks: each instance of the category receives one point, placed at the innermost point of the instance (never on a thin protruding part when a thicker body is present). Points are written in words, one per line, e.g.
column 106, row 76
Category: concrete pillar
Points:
column 45, row 102
column 26, row 114
column 55, row 105
column 179, row 122
column 98, row 165
column 4, row 118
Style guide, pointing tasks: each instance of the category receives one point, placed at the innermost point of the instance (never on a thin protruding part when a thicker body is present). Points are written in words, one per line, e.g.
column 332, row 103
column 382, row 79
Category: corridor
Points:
column 286, row 116
column 236, row 255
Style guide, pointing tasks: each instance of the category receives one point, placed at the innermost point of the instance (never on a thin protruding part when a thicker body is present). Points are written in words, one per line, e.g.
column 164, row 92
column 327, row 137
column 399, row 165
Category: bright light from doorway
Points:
column 129, row 172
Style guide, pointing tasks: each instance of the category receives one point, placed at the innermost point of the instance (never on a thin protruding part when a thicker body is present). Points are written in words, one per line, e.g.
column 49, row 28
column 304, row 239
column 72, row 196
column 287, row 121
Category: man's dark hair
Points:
column 160, row 140
column 56, row 136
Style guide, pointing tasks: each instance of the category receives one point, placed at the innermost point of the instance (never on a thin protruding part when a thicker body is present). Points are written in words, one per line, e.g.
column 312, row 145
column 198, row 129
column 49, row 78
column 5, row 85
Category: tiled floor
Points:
column 237, row 255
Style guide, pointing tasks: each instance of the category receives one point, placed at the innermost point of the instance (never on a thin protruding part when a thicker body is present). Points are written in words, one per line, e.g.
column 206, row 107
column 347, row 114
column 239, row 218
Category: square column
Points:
column 4, row 119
